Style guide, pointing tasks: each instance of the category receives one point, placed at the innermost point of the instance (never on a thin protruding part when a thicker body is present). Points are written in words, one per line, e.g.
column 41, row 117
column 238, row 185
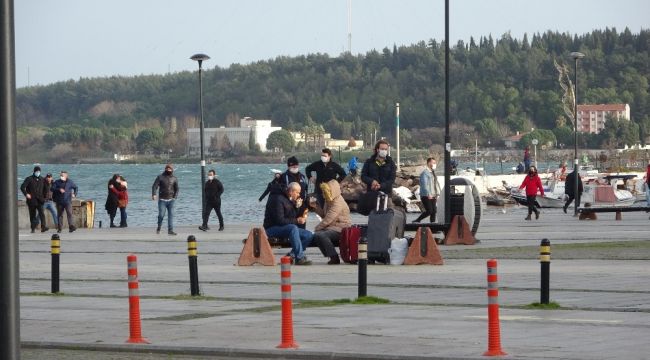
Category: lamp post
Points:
column 576, row 56
column 200, row 58
column 535, row 142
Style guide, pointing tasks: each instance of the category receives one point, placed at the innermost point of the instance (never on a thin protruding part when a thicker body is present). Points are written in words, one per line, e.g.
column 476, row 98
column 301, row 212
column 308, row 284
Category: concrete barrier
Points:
column 83, row 214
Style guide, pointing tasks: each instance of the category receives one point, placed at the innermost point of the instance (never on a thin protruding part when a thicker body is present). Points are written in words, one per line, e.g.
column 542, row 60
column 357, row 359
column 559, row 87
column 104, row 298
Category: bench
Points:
column 586, row 211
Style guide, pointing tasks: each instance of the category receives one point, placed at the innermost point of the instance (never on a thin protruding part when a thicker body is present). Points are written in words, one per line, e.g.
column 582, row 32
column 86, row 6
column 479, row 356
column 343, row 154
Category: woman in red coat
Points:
column 532, row 183
column 120, row 190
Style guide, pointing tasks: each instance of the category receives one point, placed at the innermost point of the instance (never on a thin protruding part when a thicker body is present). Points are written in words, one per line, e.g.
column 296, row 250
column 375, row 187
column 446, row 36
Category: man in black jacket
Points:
column 213, row 189
column 379, row 170
column 35, row 193
column 569, row 189
column 326, row 170
column 167, row 186
column 281, row 220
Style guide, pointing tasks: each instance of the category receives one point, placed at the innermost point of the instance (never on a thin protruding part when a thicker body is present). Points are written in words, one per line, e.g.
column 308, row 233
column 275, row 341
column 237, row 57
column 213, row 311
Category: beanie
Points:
column 292, row 161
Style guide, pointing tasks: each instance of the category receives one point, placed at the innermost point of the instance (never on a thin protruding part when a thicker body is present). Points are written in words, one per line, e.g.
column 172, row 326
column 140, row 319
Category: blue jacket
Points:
column 63, row 198
column 429, row 185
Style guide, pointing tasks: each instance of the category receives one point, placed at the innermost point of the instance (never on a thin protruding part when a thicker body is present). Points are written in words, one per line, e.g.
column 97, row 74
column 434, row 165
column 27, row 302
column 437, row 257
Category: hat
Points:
column 292, row 161
column 169, row 166
column 48, row 175
column 37, row 168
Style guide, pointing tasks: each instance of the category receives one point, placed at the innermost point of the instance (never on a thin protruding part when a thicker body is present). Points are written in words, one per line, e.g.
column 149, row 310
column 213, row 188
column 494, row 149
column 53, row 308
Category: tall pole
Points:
column 576, row 56
column 9, row 269
column 397, row 133
column 200, row 58
column 447, row 137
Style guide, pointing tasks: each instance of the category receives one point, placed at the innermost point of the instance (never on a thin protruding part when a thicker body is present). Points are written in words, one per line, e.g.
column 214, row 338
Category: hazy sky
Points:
column 58, row 40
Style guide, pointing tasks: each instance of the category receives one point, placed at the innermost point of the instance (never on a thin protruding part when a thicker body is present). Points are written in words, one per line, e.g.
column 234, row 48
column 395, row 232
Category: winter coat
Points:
column 383, row 173
column 287, row 178
column 532, row 184
column 336, row 214
column 64, row 198
column 275, row 183
column 429, row 185
column 325, row 172
column 570, row 184
column 213, row 190
column 279, row 209
column 35, row 187
column 167, row 186
column 111, row 198
column 120, row 191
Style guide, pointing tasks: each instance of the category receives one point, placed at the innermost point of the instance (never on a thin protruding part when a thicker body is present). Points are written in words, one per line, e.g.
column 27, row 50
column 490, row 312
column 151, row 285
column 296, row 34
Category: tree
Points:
column 280, row 139
column 150, row 139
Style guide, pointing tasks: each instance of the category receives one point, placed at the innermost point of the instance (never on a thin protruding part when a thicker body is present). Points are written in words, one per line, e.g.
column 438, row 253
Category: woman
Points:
column 111, row 199
column 532, row 183
column 120, row 190
column 336, row 217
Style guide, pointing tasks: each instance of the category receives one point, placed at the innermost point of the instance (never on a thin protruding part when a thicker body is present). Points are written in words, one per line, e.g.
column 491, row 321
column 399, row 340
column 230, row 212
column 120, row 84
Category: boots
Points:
column 44, row 228
column 537, row 215
column 334, row 260
column 527, row 217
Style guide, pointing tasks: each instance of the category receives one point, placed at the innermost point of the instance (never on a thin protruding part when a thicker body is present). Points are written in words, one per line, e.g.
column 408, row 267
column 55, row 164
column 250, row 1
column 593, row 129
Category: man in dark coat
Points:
column 326, row 170
column 569, row 189
column 293, row 174
column 35, row 193
column 213, row 189
column 167, row 186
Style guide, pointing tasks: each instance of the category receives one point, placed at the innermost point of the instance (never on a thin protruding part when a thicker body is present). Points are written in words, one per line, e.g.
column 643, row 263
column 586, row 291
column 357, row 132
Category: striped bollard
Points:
column 545, row 262
column 135, row 325
column 194, row 267
column 287, row 317
column 55, row 250
column 494, row 331
column 362, row 259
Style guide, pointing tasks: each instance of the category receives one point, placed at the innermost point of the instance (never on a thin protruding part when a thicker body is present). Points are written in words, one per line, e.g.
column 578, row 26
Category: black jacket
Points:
column 279, row 209
column 168, row 185
column 325, row 172
column 213, row 190
column 35, row 187
column 570, row 184
column 111, row 198
column 287, row 178
column 384, row 174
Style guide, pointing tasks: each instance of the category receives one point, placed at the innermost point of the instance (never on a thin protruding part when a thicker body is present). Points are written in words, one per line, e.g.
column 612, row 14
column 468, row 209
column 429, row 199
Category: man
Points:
column 429, row 191
column 570, row 189
column 281, row 220
column 49, row 204
column 167, row 186
column 63, row 191
column 213, row 189
column 35, row 193
column 326, row 170
column 379, row 171
column 293, row 175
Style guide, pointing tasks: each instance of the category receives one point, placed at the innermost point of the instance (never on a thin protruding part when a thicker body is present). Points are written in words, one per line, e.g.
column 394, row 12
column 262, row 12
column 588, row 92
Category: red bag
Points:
column 349, row 244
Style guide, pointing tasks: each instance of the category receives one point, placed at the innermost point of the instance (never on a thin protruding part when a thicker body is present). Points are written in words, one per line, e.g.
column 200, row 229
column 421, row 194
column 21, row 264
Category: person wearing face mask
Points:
column 379, row 171
column 49, row 203
column 532, row 183
column 167, row 186
column 326, row 169
column 35, row 193
column 213, row 189
column 63, row 191
column 293, row 175
column 429, row 191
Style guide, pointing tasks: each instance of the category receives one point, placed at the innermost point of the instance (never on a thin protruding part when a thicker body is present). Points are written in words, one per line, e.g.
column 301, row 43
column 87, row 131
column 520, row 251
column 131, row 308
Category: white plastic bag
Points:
column 398, row 250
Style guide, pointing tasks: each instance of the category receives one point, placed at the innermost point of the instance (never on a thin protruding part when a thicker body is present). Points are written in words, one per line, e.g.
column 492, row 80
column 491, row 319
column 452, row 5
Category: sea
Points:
column 243, row 185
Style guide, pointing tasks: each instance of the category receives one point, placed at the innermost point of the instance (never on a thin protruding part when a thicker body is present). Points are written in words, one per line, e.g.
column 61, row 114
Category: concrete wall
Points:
column 83, row 213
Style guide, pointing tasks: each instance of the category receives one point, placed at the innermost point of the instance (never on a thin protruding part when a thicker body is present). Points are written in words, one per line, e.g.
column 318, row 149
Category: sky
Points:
column 58, row 40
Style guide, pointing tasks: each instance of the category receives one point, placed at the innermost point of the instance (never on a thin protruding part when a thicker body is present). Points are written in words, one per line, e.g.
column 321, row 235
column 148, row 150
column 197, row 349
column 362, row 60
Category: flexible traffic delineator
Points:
column 194, row 267
column 545, row 261
column 494, row 331
column 287, row 316
column 55, row 250
column 135, row 326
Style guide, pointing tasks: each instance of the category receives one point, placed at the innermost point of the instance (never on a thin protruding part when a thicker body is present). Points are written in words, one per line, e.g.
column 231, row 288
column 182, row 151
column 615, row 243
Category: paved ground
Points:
column 599, row 278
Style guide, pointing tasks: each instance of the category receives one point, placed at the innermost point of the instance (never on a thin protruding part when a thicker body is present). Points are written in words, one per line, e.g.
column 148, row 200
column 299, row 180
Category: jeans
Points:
column 166, row 205
column 299, row 238
column 647, row 194
column 49, row 205
column 123, row 216
column 60, row 208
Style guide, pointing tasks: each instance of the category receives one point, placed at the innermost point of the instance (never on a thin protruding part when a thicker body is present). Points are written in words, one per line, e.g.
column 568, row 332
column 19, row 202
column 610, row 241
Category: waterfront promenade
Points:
column 436, row 312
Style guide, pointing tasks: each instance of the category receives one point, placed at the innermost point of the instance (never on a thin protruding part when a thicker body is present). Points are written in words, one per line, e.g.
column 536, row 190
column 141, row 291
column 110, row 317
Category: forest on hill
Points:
column 498, row 87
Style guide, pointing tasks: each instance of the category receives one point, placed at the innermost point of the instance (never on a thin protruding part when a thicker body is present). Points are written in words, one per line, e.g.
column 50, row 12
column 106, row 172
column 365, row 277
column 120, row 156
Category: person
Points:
column 520, row 168
column 326, row 169
column 569, row 189
column 120, row 190
column 532, row 183
column 49, row 204
column 281, row 220
column 63, row 191
column 526, row 159
column 429, row 191
column 352, row 166
column 292, row 174
column 647, row 184
column 167, row 186
column 213, row 189
column 33, row 188
column 274, row 183
column 379, row 171
column 111, row 199
column 335, row 217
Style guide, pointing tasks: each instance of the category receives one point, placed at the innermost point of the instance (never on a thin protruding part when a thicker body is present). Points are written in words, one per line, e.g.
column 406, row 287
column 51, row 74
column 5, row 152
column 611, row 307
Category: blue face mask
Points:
column 37, row 173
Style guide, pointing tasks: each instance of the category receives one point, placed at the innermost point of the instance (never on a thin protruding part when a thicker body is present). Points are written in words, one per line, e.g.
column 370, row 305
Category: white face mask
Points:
column 294, row 170
column 382, row 153
column 325, row 159
column 63, row 178
column 434, row 166
column 210, row 177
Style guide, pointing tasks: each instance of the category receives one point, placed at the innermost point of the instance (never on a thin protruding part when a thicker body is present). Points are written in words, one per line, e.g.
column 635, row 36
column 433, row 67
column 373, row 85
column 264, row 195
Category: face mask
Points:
column 294, row 170
column 434, row 166
column 382, row 153
column 63, row 178
column 325, row 159
column 168, row 171
column 37, row 173
column 210, row 177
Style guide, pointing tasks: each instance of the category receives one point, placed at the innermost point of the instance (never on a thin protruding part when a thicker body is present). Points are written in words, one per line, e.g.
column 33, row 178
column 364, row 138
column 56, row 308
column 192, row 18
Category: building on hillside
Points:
column 591, row 118
column 326, row 141
column 215, row 138
column 512, row 142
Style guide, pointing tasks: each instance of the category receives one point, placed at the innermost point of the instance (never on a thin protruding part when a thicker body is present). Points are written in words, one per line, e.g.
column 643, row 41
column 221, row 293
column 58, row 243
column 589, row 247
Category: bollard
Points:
column 135, row 325
column 362, row 261
column 287, row 316
column 494, row 331
column 55, row 250
column 194, row 267
column 545, row 261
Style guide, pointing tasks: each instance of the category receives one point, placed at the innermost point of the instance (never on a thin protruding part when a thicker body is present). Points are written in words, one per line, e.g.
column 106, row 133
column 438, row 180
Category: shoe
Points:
column 203, row 228
column 303, row 261
column 113, row 226
column 334, row 260
column 158, row 230
column 171, row 232
column 72, row 228
column 564, row 208
column 33, row 230
column 123, row 225
column 527, row 217
column 537, row 215
column 58, row 230
column 221, row 228
column 44, row 229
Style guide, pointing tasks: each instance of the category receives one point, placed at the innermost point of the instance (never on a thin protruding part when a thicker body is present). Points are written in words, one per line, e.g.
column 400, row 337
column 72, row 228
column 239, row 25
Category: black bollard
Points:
column 194, row 270
column 363, row 266
column 545, row 261
column 55, row 245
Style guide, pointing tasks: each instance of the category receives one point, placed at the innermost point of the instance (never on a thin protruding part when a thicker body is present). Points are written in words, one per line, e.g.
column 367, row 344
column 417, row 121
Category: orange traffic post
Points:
column 287, row 316
column 494, row 330
column 135, row 325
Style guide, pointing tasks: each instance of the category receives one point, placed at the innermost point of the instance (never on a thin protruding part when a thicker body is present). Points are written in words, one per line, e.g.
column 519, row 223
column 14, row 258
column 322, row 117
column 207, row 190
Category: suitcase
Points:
column 349, row 244
column 381, row 230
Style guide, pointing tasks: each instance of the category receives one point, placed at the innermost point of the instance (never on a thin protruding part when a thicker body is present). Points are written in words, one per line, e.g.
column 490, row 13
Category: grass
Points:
column 369, row 300
column 538, row 306
column 41, row 293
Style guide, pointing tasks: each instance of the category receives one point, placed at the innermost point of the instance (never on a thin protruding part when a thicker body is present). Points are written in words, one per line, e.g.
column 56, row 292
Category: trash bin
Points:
column 457, row 204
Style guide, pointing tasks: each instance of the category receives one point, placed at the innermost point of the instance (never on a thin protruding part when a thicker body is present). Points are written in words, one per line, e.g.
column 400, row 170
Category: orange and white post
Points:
column 494, row 330
column 287, row 316
column 135, row 325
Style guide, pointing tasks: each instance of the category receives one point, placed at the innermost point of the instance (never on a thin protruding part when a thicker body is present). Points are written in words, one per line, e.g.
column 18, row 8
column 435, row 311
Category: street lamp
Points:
column 535, row 142
column 576, row 56
column 200, row 58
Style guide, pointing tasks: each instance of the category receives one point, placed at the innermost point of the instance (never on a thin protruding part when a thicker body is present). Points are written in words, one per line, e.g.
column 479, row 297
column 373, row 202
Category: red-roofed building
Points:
column 591, row 118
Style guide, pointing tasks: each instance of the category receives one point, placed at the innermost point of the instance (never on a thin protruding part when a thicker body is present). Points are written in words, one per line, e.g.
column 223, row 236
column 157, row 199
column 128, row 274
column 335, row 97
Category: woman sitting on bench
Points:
column 336, row 217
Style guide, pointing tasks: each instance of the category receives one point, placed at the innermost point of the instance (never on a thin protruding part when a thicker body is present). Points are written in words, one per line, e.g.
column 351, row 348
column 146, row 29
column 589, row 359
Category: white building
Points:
column 591, row 118
column 261, row 129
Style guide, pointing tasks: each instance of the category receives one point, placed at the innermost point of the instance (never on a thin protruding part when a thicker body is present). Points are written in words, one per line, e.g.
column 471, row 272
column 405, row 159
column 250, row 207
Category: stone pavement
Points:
column 435, row 311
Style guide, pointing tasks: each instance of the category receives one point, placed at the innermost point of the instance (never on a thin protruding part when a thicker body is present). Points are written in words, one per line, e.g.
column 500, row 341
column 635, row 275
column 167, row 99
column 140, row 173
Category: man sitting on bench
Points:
column 281, row 220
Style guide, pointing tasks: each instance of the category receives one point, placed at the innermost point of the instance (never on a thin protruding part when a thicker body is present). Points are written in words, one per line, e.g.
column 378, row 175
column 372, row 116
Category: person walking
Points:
column 111, row 199
column 213, row 189
column 532, row 183
column 63, row 191
column 49, row 204
column 429, row 191
column 120, row 190
column 570, row 189
column 167, row 186
column 353, row 166
column 33, row 188
column 326, row 169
